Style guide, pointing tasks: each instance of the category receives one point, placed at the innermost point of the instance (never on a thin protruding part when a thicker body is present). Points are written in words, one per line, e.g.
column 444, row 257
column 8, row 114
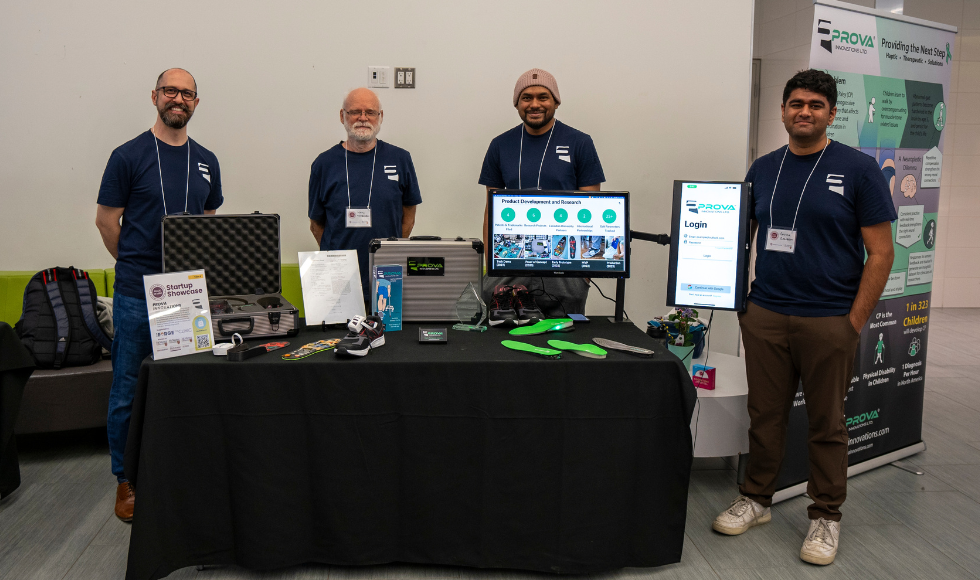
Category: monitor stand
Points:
column 663, row 240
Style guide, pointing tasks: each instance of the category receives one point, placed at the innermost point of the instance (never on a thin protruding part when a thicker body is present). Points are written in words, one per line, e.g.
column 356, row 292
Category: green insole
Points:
column 530, row 348
column 546, row 325
column 587, row 350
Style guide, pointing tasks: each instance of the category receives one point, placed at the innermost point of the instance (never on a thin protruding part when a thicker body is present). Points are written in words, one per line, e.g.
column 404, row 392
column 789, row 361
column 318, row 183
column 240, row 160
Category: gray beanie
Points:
column 536, row 78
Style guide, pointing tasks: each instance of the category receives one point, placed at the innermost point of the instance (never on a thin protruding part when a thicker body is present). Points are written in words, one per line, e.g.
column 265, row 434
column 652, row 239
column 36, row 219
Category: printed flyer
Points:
column 180, row 315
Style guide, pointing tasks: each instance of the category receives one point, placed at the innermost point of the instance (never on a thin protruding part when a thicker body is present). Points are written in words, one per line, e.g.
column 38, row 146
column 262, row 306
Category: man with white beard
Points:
column 362, row 188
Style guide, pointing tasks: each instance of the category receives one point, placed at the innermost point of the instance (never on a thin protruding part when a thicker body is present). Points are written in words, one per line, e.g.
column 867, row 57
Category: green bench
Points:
column 64, row 399
column 78, row 397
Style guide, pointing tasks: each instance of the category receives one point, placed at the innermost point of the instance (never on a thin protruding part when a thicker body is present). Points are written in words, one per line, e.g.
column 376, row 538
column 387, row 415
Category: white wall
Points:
column 662, row 87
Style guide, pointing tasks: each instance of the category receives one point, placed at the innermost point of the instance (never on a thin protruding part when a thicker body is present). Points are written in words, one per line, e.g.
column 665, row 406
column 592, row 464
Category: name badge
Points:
column 779, row 240
column 358, row 217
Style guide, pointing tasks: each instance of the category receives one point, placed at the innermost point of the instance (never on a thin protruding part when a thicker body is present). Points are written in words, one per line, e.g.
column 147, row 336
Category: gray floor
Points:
column 59, row 524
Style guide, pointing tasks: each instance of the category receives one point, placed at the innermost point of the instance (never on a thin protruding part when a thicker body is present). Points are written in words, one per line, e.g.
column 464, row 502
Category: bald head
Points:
column 170, row 75
column 362, row 99
column 361, row 117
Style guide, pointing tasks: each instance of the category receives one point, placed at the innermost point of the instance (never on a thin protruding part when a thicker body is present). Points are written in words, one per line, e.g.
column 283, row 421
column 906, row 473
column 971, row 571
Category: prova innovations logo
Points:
column 862, row 418
column 849, row 41
column 715, row 208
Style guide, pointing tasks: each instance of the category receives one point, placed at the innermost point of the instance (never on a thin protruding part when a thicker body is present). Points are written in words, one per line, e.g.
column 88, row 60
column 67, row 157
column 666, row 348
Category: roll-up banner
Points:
column 893, row 75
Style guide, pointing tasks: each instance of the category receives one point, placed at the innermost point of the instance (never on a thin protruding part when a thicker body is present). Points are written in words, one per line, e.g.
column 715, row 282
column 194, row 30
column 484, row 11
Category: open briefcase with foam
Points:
column 241, row 259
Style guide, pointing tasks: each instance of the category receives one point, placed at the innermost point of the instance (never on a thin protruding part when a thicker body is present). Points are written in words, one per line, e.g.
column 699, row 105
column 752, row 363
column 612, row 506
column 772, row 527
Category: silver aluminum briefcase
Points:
column 435, row 272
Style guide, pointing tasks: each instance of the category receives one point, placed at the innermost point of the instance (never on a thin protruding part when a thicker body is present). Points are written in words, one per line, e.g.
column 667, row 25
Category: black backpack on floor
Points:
column 59, row 324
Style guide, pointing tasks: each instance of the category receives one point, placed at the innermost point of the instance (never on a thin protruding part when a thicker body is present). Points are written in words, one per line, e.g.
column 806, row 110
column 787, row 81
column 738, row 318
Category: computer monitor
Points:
column 558, row 233
column 709, row 245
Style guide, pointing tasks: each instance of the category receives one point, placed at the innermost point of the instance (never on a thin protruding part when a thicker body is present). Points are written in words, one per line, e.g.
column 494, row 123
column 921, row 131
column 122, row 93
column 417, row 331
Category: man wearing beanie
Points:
column 541, row 153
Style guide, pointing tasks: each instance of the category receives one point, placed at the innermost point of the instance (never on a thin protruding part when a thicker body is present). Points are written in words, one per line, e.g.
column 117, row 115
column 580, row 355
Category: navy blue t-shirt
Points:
column 395, row 185
column 847, row 192
column 571, row 161
column 132, row 181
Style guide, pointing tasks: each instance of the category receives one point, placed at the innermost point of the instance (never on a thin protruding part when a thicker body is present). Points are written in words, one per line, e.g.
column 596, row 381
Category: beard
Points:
column 538, row 124
column 362, row 132
column 174, row 120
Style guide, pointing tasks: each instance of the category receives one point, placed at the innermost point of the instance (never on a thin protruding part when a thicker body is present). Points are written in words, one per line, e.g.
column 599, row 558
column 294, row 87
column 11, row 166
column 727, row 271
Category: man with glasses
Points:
column 362, row 188
column 540, row 153
column 160, row 172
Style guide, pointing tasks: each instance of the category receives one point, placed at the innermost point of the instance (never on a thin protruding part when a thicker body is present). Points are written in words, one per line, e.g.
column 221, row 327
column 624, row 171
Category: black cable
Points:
column 696, row 419
column 549, row 295
column 591, row 281
column 541, row 291
column 707, row 339
column 707, row 351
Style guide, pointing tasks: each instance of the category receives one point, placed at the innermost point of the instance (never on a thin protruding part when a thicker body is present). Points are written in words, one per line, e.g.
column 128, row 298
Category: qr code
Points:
column 203, row 341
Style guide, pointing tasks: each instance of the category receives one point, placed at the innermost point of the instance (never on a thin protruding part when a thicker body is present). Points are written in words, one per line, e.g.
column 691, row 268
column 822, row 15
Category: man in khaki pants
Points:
column 818, row 205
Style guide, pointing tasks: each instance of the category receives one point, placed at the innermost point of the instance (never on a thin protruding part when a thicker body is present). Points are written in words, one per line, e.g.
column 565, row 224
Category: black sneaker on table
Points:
column 502, row 307
column 364, row 333
column 527, row 308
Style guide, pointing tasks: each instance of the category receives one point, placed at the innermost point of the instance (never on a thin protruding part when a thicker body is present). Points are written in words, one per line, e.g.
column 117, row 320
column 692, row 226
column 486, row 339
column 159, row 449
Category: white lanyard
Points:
column 160, row 169
column 804, row 184
column 520, row 157
column 371, row 190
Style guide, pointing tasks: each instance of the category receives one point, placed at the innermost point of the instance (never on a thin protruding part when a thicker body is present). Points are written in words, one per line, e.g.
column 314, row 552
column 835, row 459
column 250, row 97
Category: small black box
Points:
column 433, row 336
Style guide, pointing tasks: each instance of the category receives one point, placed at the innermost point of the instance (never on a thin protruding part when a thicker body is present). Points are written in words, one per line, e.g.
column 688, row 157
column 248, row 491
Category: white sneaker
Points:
column 820, row 545
column 740, row 516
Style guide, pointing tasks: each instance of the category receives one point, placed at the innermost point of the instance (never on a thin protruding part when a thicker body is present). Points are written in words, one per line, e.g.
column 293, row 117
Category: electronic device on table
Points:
column 435, row 271
column 709, row 245
column 241, row 258
column 558, row 233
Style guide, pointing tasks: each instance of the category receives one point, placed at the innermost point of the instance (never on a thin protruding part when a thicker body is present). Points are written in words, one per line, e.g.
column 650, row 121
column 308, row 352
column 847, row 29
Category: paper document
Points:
column 331, row 286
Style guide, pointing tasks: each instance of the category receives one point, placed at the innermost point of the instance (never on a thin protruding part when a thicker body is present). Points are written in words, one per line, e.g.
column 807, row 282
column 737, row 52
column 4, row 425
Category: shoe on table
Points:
column 740, row 516
column 820, row 544
column 527, row 308
column 125, row 500
column 364, row 333
column 502, row 307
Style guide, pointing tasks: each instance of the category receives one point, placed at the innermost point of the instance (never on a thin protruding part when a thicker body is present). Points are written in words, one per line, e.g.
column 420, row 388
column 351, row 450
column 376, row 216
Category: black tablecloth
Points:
column 461, row 454
column 16, row 366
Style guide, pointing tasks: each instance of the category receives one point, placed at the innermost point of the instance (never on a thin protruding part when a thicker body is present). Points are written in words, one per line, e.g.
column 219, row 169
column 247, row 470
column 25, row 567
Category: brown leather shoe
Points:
column 125, row 499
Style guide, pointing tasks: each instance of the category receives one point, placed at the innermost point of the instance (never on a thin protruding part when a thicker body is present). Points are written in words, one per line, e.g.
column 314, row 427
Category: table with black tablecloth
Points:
column 16, row 366
column 461, row 454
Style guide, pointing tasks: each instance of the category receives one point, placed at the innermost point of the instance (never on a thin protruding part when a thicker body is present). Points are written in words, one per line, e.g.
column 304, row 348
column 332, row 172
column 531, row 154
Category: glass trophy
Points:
column 471, row 310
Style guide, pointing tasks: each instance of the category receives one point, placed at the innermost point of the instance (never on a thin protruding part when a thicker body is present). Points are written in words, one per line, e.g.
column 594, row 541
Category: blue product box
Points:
column 387, row 295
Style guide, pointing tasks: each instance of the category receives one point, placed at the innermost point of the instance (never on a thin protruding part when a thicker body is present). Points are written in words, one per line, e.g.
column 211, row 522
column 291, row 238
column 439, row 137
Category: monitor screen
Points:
column 709, row 245
column 558, row 233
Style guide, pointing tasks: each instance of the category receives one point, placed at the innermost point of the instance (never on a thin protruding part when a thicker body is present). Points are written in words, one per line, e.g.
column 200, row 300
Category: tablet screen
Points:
column 709, row 245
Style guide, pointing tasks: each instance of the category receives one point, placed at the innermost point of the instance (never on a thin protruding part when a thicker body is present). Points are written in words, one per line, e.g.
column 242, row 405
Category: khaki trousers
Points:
column 780, row 350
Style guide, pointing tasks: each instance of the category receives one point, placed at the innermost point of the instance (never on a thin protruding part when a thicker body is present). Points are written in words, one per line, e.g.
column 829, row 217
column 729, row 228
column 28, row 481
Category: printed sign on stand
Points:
column 180, row 315
column 893, row 82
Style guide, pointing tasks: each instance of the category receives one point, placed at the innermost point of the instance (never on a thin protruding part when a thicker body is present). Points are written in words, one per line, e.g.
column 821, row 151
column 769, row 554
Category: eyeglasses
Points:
column 171, row 92
column 370, row 113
